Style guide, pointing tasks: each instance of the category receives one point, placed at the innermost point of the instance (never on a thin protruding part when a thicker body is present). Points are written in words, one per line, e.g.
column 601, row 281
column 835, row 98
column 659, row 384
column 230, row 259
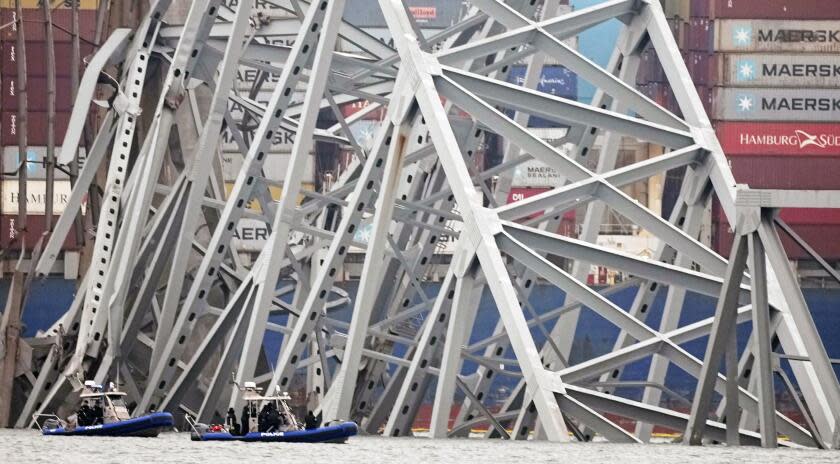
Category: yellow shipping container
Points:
column 276, row 193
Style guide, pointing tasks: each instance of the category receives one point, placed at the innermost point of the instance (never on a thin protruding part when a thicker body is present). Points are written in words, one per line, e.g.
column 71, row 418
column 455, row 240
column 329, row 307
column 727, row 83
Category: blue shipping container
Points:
column 555, row 80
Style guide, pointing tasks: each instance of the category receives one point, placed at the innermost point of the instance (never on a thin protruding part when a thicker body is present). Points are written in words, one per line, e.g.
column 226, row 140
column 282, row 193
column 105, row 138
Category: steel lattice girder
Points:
column 182, row 310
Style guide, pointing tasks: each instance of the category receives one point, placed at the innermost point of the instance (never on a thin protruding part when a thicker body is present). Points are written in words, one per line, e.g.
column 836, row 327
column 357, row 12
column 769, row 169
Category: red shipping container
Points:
column 679, row 29
column 33, row 25
column 660, row 93
column 706, row 94
column 701, row 35
column 769, row 9
column 811, row 216
column 643, row 76
column 700, row 8
column 655, row 73
column 36, row 95
column 822, row 238
column 36, row 63
column 793, row 216
column 702, row 67
column 35, row 225
column 349, row 109
column 819, row 227
column 36, row 128
column 783, row 138
column 787, row 172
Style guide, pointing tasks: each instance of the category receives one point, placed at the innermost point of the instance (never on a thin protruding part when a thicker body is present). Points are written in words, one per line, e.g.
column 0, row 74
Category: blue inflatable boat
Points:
column 149, row 425
column 338, row 433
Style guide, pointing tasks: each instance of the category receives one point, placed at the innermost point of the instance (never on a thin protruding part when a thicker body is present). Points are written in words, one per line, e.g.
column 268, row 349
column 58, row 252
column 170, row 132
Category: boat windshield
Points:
column 118, row 409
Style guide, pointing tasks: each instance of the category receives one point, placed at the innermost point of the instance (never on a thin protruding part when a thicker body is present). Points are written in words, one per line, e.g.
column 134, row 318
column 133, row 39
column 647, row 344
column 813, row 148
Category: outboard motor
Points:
column 198, row 431
column 52, row 424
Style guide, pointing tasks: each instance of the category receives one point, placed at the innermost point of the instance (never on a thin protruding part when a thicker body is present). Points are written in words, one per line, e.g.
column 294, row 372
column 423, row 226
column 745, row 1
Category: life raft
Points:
column 336, row 433
column 149, row 425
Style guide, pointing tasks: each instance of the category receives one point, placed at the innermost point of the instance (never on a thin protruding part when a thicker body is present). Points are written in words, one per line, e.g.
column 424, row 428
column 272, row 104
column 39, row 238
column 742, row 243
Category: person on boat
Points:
column 310, row 422
column 98, row 413
column 84, row 416
column 270, row 418
column 230, row 422
column 246, row 421
column 262, row 424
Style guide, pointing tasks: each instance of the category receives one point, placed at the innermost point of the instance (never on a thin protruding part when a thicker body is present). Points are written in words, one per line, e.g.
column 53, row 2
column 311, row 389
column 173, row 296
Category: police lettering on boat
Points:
column 270, row 419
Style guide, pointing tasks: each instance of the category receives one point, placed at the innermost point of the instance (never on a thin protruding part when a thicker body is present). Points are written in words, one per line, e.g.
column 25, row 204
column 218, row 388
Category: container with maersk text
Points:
column 741, row 35
column 797, row 70
column 776, row 104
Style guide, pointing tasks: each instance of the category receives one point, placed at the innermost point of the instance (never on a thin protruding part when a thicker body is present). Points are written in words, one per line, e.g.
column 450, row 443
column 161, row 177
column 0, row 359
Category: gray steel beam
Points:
column 763, row 350
column 722, row 331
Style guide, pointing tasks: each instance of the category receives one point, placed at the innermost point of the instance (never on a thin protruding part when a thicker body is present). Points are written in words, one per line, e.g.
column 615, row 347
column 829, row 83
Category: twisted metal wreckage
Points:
column 169, row 307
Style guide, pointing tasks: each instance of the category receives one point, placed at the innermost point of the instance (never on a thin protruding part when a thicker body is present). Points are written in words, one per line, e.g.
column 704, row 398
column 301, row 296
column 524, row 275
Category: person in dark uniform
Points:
column 272, row 419
column 262, row 423
column 84, row 416
column 246, row 421
column 97, row 413
column 230, row 422
column 310, row 422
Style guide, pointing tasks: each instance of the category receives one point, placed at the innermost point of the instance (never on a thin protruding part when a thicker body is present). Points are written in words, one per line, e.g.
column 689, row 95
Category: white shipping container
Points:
column 246, row 76
column 761, row 35
column 780, row 70
column 763, row 104
column 282, row 141
column 251, row 235
column 275, row 166
column 535, row 173
column 35, row 195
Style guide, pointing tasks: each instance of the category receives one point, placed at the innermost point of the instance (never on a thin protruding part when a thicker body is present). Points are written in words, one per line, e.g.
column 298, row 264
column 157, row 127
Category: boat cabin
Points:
column 266, row 413
column 100, row 406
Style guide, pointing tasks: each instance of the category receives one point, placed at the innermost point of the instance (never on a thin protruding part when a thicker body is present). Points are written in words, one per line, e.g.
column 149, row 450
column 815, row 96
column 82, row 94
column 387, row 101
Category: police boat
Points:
column 104, row 414
column 269, row 419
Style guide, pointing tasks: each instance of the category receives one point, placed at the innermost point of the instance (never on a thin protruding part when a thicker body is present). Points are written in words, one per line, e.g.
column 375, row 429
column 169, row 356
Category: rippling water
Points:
column 17, row 446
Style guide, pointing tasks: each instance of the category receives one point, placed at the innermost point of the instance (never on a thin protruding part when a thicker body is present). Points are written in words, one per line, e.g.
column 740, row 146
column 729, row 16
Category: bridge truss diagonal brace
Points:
column 480, row 224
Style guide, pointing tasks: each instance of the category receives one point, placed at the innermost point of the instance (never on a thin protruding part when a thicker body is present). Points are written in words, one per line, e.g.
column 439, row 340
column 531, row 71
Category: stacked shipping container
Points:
column 11, row 162
column 775, row 73
column 767, row 73
column 283, row 140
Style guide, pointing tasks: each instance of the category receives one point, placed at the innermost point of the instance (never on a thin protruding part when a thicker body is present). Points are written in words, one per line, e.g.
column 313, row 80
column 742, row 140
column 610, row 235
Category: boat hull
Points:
column 149, row 425
column 338, row 433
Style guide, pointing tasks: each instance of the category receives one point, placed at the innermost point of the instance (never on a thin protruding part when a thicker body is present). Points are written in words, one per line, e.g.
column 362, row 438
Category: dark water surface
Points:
column 18, row 446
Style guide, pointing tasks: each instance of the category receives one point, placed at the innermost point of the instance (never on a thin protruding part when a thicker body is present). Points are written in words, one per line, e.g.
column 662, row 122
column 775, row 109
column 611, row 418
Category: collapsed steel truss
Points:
column 169, row 307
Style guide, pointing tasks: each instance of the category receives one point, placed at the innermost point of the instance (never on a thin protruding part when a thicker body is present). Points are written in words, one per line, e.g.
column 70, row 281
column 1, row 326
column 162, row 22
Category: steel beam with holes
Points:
column 265, row 278
column 194, row 304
